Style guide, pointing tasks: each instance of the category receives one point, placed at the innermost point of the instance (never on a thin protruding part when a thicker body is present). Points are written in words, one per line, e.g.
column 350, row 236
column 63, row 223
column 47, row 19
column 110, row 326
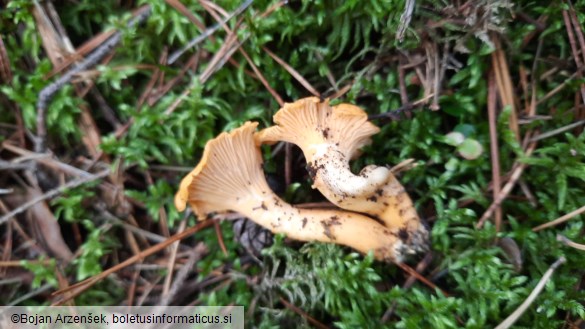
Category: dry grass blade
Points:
column 42, row 219
column 304, row 314
column 574, row 48
column 5, row 71
column 339, row 93
column 263, row 79
column 172, row 259
column 52, row 193
column 53, row 45
column 78, row 288
column 293, row 72
column 220, row 238
column 421, row 278
column 404, row 165
column 522, row 308
column 80, row 52
column 517, row 171
column 405, row 19
column 494, row 148
column 208, row 32
column 570, row 243
column 560, row 220
column 183, row 10
column 259, row 74
column 504, row 83
column 229, row 47
column 557, row 131
column 49, row 91
column 196, row 254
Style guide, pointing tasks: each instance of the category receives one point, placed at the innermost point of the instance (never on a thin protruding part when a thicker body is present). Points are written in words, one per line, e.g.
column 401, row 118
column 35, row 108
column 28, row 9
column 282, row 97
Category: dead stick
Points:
column 49, row 91
column 304, row 314
column 174, row 56
column 522, row 308
column 196, row 254
column 76, row 289
column 494, row 148
column 570, row 243
column 517, row 172
column 560, row 220
column 52, row 193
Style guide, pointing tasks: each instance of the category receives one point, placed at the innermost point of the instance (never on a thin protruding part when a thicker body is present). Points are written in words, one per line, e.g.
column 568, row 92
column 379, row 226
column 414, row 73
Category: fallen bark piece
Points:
column 230, row 177
column 330, row 136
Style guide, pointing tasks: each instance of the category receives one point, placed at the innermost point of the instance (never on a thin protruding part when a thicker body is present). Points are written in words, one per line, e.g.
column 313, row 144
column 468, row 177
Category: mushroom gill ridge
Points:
column 229, row 177
column 330, row 136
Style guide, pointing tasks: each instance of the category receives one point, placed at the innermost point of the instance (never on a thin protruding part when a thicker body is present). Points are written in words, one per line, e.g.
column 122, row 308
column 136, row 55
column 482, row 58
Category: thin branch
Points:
column 304, row 314
column 293, row 72
column 395, row 114
column 494, row 148
column 522, row 308
column 49, row 91
column 174, row 56
column 557, row 131
column 76, row 289
column 196, row 254
column 505, row 191
column 560, row 220
column 405, row 19
column 570, row 243
column 52, row 193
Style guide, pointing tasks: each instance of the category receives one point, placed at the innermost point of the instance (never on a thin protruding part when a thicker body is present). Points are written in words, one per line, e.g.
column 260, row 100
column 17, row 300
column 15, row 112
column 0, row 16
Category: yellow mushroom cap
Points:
column 310, row 121
column 329, row 137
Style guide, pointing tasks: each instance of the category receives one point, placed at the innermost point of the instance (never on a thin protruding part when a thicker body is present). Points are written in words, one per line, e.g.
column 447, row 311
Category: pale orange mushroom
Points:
column 329, row 137
column 229, row 177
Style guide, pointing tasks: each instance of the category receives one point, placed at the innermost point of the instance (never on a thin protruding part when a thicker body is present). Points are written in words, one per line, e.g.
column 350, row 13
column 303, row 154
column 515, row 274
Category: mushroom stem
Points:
column 230, row 177
column 332, row 226
column 329, row 137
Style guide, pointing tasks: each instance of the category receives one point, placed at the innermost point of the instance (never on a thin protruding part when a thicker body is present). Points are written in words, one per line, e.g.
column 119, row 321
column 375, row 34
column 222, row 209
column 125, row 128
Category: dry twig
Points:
column 49, row 91
column 304, row 314
column 52, row 193
column 494, row 148
column 560, row 220
column 570, row 243
column 78, row 288
column 522, row 308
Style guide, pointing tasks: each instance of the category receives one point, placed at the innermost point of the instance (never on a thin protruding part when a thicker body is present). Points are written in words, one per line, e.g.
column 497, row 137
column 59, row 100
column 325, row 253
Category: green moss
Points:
column 354, row 42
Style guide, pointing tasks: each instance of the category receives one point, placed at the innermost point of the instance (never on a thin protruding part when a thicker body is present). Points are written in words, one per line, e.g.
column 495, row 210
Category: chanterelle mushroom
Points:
column 329, row 137
column 230, row 177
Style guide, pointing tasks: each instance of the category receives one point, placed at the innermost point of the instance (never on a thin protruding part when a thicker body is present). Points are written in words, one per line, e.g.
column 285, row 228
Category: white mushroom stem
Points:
column 329, row 169
column 329, row 137
column 230, row 177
